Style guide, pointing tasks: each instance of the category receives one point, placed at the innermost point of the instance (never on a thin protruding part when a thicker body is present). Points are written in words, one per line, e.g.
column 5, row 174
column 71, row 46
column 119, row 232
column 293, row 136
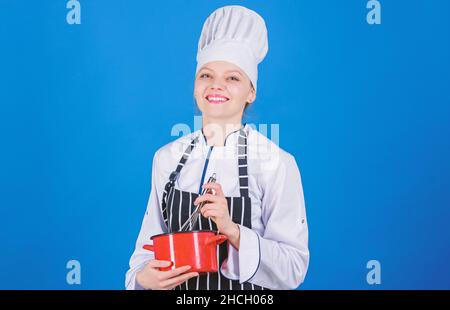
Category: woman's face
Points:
column 222, row 90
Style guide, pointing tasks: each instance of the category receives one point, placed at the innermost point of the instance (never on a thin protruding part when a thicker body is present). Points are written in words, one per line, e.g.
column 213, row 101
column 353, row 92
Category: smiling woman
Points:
column 257, row 200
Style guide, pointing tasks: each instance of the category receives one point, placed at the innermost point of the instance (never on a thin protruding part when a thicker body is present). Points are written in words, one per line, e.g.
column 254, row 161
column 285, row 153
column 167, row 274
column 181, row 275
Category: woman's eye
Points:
column 204, row 75
column 234, row 78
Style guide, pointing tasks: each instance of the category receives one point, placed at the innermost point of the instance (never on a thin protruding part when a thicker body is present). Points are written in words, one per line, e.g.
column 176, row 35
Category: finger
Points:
column 159, row 263
column 164, row 275
column 178, row 283
column 215, row 186
column 208, row 197
column 212, row 206
column 209, row 207
column 214, row 211
column 216, row 206
column 212, row 214
column 180, row 279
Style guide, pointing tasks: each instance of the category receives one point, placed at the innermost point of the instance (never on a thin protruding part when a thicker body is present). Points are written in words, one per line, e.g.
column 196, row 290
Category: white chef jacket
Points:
column 274, row 252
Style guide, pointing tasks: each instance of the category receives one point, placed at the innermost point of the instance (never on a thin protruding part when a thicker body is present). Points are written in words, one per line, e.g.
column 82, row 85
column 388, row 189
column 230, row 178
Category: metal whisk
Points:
column 195, row 215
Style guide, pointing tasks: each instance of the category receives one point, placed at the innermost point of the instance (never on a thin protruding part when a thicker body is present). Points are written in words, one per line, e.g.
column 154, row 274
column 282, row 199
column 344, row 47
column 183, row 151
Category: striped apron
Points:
column 177, row 206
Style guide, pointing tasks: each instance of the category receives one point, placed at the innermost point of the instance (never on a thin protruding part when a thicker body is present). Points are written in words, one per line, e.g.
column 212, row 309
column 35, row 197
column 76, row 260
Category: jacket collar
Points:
column 230, row 140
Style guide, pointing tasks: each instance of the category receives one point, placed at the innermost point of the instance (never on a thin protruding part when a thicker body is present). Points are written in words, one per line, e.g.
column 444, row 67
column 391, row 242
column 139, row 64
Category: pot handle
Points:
column 218, row 239
column 149, row 247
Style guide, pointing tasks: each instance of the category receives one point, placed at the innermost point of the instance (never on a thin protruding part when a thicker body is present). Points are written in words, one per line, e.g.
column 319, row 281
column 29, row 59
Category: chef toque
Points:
column 234, row 34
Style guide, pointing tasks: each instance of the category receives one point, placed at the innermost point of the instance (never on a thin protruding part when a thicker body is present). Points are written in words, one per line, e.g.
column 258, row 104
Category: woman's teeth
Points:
column 216, row 99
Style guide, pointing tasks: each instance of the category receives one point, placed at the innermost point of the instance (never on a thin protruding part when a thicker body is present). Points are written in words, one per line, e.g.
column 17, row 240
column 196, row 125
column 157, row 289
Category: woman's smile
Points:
column 216, row 98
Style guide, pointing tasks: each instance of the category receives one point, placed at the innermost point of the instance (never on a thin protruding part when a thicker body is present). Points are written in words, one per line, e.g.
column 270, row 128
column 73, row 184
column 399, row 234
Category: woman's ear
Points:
column 251, row 96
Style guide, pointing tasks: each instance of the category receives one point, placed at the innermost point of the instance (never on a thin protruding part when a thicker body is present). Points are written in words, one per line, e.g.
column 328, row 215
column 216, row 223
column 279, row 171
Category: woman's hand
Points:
column 150, row 277
column 216, row 207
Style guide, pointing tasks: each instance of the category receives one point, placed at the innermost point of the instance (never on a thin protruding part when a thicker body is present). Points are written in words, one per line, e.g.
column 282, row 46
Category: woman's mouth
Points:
column 216, row 99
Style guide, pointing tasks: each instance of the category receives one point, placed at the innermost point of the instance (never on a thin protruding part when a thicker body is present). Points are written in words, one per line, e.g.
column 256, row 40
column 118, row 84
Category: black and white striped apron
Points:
column 178, row 205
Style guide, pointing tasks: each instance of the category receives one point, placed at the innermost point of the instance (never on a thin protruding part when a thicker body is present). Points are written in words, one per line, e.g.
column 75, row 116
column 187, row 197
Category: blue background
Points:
column 365, row 109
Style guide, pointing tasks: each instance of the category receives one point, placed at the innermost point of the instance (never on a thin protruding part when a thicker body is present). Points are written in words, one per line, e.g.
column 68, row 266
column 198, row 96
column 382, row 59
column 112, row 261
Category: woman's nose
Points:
column 216, row 87
column 216, row 84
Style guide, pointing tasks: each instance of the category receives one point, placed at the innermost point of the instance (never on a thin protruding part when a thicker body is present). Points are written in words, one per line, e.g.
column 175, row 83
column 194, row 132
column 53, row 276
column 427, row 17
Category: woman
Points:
column 257, row 201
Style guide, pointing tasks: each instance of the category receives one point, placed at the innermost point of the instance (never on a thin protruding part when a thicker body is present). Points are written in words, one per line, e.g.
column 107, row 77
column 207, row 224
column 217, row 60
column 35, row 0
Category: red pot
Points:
column 197, row 249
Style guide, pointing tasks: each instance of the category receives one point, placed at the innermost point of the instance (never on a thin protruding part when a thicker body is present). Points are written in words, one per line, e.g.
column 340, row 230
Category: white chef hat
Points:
column 234, row 34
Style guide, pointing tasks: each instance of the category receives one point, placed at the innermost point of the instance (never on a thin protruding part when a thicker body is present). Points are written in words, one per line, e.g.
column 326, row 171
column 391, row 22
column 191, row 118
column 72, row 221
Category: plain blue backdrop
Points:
column 365, row 109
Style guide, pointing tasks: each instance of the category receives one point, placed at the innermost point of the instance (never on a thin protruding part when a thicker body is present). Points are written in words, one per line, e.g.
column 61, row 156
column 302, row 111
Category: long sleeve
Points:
column 279, row 257
column 152, row 224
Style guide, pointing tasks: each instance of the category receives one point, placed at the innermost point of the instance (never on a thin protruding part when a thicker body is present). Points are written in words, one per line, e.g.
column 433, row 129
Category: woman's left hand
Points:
column 216, row 207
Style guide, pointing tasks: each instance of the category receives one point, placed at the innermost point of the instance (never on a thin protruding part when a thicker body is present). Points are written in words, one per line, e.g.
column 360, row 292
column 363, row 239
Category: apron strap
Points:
column 242, row 162
column 175, row 174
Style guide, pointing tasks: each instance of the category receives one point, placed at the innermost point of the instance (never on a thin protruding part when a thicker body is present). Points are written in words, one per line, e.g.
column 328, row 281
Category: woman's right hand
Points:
column 150, row 277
